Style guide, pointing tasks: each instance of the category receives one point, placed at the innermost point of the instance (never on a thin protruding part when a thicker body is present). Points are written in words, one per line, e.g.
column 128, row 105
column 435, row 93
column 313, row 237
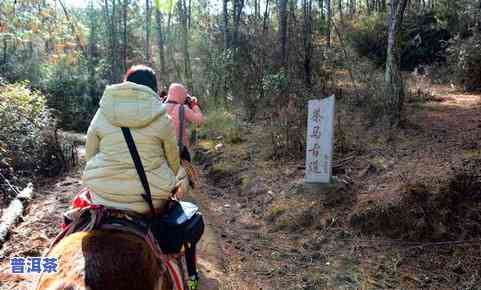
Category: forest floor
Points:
column 40, row 224
column 388, row 223
column 404, row 214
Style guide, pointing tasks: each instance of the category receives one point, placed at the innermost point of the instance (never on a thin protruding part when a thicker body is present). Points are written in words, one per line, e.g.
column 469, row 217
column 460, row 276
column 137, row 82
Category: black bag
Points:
column 174, row 230
column 180, row 224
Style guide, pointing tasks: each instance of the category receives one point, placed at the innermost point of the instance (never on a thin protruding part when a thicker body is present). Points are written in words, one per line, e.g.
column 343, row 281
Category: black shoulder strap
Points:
column 180, row 142
column 147, row 196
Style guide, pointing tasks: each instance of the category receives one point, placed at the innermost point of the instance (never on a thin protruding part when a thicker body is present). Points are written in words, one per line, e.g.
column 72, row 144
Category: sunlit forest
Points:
column 403, row 210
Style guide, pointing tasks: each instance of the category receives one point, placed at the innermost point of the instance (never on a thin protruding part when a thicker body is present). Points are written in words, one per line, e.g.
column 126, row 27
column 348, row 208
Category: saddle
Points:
column 86, row 217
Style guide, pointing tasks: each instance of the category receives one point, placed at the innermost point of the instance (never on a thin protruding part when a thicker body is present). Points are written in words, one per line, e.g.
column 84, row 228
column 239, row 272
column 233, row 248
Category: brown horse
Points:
column 104, row 260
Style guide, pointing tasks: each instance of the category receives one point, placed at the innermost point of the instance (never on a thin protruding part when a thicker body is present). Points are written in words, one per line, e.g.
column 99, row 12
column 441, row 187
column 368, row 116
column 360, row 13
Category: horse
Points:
column 104, row 260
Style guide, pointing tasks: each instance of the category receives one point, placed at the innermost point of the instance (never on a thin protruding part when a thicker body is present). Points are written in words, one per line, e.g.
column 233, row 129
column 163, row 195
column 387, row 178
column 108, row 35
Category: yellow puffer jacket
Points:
column 110, row 173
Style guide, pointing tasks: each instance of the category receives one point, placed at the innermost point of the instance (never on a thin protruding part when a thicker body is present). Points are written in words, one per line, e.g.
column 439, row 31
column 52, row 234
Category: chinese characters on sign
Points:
column 320, row 133
column 21, row 265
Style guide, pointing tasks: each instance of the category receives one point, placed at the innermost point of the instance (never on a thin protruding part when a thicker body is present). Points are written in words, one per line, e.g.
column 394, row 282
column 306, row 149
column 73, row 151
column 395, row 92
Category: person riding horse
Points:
column 111, row 179
column 109, row 175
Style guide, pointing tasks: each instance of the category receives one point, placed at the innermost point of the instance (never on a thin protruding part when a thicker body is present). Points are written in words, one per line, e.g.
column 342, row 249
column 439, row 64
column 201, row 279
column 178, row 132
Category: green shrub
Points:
column 465, row 61
column 72, row 95
column 369, row 38
column 224, row 123
column 71, row 91
column 424, row 39
column 29, row 144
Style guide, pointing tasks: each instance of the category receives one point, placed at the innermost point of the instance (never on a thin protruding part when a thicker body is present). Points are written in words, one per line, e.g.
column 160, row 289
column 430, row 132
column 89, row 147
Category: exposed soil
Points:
column 40, row 224
column 402, row 215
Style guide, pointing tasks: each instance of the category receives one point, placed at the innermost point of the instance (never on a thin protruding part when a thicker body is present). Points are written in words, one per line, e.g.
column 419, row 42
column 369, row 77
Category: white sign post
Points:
column 320, row 135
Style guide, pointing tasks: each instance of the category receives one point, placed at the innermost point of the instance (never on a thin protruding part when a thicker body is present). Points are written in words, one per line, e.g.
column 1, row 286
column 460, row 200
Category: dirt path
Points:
column 40, row 225
column 438, row 135
column 262, row 234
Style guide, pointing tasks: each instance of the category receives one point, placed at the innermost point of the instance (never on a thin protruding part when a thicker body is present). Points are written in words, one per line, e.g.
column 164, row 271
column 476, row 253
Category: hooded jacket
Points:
column 110, row 173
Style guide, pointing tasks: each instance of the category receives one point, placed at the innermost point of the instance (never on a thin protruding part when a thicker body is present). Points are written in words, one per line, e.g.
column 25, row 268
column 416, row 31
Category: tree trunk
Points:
column 73, row 27
column 185, row 45
column 160, row 40
column 92, row 59
column 169, row 21
column 307, row 5
column 282, row 8
column 110, row 19
column 226, row 23
column 117, row 73
column 328, row 24
column 321, row 10
column 238, row 7
column 479, row 15
column 339, row 7
column 147, row 31
column 266, row 18
column 190, row 13
column 5, row 51
column 347, row 57
column 125, row 35
column 393, row 82
column 115, row 68
column 171, row 48
column 292, row 20
column 258, row 9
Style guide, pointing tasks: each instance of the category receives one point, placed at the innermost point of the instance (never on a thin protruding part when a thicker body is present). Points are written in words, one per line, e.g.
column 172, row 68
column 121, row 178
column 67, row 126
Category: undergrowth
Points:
column 429, row 212
column 222, row 125
column 30, row 144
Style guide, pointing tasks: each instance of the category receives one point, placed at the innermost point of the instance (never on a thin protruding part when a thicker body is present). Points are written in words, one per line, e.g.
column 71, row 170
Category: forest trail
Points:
column 403, row 210
column 242, row 250
column 278, row 237
column 452, row 111
column 439, row 133
column 40, row 224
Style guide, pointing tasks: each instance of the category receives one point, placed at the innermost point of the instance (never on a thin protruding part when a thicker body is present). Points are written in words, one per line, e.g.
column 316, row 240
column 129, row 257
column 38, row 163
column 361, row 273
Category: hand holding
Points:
column 179, row 193
column 194, row 102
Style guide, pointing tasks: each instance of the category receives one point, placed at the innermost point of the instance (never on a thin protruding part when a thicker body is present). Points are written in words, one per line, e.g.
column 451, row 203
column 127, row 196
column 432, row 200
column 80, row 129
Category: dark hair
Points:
column 142, row 75
column 163, row 93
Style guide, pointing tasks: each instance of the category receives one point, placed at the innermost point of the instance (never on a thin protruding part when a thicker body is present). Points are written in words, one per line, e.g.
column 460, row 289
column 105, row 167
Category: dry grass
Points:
column 396, row 184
